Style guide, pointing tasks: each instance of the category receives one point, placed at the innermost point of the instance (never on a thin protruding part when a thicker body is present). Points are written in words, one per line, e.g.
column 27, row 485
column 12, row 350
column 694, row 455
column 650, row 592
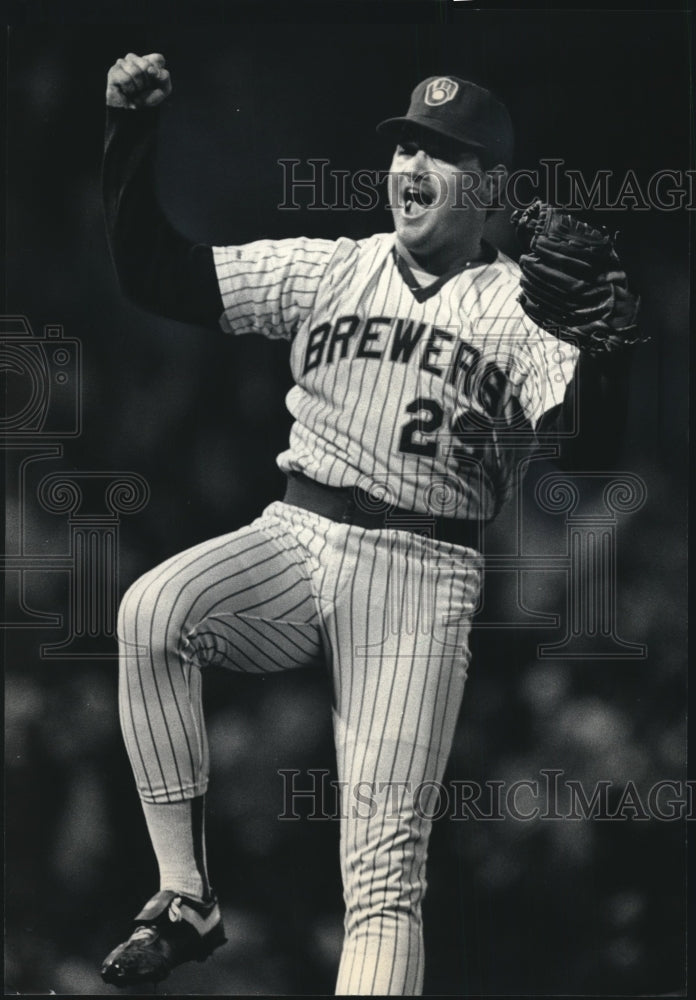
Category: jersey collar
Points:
column 423, row 292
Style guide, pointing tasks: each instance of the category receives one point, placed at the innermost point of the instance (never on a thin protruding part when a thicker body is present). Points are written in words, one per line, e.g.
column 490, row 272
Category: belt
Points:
column 357, row 507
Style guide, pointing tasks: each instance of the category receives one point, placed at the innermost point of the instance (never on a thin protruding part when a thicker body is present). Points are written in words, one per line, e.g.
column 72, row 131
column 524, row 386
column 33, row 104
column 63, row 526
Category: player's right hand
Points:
column 138, row 82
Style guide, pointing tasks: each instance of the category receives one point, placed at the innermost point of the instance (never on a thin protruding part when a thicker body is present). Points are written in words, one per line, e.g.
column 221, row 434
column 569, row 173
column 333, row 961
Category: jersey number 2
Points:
column 412, row 432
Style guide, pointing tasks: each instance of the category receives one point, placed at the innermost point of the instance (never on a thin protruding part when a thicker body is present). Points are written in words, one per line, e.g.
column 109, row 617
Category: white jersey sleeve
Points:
column 551, row 368
column 539, row 366
column 269, row 286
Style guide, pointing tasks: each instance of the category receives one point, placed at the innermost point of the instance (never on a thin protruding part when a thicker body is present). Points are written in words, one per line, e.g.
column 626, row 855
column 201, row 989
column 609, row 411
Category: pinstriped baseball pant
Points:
column 390, row 612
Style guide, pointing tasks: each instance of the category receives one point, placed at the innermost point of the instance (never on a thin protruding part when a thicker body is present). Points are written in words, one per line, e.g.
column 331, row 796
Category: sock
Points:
column 177, row 832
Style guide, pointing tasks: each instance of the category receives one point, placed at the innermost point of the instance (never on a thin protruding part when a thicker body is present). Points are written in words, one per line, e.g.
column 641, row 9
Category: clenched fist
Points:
column 138, row 82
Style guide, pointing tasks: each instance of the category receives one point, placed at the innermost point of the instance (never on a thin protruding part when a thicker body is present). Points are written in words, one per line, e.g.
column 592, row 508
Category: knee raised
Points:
column 145, row 610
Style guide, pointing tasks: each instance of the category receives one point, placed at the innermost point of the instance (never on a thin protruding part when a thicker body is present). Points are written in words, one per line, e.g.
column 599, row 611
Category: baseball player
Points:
column 421, row 385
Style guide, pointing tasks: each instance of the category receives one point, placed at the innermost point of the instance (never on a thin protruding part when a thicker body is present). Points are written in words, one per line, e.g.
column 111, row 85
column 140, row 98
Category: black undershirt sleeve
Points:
column 592, row 414
column 158, row 268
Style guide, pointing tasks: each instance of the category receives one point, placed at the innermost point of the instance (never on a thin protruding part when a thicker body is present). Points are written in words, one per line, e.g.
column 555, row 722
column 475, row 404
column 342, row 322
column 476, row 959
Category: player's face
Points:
column 435, row 220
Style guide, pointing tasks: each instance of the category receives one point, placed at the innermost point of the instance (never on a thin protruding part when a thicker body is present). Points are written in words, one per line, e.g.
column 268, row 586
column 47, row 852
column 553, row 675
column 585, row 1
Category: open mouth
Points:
column 416, row 196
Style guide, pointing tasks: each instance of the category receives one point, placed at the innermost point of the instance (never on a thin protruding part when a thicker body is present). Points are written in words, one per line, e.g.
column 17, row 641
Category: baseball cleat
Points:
column 170, row 929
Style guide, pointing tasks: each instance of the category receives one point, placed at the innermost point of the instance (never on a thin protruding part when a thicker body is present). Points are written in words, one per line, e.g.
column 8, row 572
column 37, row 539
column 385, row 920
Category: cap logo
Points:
column 440, row 91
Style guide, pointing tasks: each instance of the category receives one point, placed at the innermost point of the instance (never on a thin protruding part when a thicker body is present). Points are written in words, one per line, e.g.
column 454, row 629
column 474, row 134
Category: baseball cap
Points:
column 459, row 110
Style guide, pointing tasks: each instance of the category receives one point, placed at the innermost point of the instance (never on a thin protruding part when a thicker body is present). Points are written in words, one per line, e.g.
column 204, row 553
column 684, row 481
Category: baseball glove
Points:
column 573, row 284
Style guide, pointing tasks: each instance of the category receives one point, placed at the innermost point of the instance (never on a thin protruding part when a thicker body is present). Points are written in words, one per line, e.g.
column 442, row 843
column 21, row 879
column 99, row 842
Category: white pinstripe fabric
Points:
column 399, row 674
column 287, row 591
column 242, row 600
column 349, row 410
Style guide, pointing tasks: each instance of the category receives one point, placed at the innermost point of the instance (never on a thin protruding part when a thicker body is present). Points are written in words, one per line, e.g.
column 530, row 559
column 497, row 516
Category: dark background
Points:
column 532, row 908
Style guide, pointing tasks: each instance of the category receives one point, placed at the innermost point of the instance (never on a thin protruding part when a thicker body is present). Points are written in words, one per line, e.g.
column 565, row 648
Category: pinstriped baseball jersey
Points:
column 426, row 394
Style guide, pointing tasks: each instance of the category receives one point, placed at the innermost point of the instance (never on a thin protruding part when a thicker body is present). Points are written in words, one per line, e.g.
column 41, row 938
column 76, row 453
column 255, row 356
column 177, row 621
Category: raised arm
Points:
column 158, row 268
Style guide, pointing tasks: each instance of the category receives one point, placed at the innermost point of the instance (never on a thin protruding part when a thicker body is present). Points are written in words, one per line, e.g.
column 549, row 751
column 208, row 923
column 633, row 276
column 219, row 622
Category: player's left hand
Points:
column 573, row 284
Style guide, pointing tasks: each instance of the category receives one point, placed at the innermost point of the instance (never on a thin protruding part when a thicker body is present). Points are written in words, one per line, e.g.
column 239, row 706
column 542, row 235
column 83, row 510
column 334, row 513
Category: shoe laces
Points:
column 145, row 933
